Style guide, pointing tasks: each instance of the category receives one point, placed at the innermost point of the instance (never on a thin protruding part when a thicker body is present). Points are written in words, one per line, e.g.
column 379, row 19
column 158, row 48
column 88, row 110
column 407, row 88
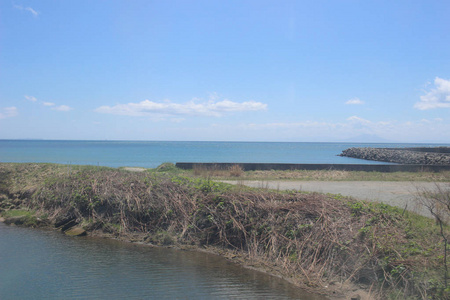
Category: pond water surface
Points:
column 42, row 264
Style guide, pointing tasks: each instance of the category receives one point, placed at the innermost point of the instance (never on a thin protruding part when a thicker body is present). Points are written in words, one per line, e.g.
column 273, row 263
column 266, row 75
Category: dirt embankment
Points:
column 416, row 156
column 319, row 242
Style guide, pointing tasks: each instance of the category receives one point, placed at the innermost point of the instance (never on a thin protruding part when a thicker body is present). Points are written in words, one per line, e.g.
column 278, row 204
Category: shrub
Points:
column 236, row 171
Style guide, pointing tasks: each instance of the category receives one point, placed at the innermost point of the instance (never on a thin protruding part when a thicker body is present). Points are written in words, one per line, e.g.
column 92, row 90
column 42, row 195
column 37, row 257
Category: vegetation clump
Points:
column 315, row 240
column 317, row 175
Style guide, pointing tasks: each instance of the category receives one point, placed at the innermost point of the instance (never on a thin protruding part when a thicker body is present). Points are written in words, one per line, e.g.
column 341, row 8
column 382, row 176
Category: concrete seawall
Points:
column 343, row 167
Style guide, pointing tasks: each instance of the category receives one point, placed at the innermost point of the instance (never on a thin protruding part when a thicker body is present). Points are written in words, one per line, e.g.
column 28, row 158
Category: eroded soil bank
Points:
column 325, row 243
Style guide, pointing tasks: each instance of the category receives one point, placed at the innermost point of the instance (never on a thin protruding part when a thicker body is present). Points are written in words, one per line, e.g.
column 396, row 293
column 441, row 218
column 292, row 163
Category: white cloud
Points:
column 291, row 125
column 356, row 119
column 50, row 104
column 62, row 108
column 29, row 9
column 353, row 122
column 192, row 108
column 8, row 112
column 31, row 98
column 354, row 101
column 437, row 97
column 411, row 131
column 177, row 120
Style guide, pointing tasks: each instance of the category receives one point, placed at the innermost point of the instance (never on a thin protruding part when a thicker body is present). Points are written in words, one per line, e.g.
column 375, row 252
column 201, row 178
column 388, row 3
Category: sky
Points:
column 297, row 71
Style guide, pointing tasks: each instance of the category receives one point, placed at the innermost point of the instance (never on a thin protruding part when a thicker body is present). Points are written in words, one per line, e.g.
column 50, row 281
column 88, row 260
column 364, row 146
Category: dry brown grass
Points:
column 236, row 171
column 328, row 175
column 217, row 172
column 313, row 238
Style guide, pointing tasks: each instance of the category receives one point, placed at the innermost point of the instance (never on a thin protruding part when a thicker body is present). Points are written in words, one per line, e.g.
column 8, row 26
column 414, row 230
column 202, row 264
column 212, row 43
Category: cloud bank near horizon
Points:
column 8, row 112
column 352, row 126
column 191, row 108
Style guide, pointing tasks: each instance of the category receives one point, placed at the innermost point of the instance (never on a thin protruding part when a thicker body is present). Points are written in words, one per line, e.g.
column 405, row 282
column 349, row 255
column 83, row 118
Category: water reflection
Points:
column 37, row 264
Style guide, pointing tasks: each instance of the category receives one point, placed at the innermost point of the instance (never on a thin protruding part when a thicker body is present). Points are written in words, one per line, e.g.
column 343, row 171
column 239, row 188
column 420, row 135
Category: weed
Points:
column 311, row 236
column 356, row 208
column 236, row 171
column 167, row 167
column 17, row 213
column 438, row 204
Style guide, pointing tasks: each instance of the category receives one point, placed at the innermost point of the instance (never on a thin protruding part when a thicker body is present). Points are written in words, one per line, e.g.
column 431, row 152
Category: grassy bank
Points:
column 317, row 175
column 321, row 242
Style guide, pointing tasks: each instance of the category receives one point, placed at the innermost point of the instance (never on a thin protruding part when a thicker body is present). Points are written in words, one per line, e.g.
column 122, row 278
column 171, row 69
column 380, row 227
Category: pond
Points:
column 45, row 264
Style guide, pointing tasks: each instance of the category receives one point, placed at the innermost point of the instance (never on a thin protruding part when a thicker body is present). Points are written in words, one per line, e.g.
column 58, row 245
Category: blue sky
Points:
column 225, row 70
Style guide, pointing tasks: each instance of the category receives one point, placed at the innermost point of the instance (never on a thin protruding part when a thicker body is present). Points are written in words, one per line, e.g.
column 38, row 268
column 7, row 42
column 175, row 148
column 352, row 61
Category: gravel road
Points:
column 394, row 193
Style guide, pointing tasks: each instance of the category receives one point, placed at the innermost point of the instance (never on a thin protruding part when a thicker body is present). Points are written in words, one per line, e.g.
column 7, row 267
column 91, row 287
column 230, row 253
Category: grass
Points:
column 314, row 239
column 330, row 175
column 18, row 213
column 36, row 171
column 236, row 171
column 23, row 217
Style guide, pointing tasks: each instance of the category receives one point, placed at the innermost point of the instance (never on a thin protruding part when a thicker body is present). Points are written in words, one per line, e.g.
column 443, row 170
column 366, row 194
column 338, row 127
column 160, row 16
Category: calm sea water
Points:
column 151, row 154
column 38, row 264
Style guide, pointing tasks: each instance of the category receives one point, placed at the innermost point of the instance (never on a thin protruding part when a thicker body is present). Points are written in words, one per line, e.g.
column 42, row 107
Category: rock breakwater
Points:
column 401, row 155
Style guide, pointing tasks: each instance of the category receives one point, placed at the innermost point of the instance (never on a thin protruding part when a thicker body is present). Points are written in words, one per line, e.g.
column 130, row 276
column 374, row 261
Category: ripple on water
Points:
column 38, row 264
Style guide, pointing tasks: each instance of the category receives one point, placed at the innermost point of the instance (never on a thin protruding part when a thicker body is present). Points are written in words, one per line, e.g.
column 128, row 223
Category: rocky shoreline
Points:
column 438, row 156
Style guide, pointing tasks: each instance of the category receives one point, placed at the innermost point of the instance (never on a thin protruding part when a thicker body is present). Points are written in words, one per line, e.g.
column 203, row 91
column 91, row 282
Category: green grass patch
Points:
column 17, row 213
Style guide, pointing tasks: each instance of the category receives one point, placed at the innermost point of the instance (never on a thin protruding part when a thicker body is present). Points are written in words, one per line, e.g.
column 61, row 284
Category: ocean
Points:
column 150, row 154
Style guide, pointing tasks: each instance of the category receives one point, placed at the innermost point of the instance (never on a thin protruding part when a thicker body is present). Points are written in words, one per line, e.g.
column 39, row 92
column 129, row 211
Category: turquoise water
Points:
column 38, row 264
column 152, row 153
